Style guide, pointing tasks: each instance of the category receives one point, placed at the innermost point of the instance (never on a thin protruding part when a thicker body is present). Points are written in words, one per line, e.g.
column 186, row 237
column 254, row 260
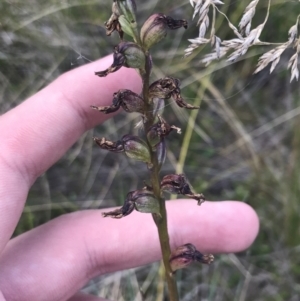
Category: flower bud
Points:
column 103, row 143
column 169, row 87
column 185, row 255
column 126, row 54
column 177, row 184
column 128, row 100
column 125, row 210
column 156, row 26
column 113, row 23
column 142, row 200
column 133, row 146
column 136, row 148
column 160, row 130
column 153, row 137
column 164, row 87
column 145, row 202
column 134, row 56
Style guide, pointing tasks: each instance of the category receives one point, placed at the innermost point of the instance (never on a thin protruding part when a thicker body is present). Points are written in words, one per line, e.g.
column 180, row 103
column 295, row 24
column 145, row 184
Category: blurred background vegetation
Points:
column 244, row 143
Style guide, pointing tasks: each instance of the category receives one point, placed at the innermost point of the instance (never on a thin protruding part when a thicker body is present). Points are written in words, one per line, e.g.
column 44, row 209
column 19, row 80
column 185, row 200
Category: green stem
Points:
column 160, row 221
column 163, row 234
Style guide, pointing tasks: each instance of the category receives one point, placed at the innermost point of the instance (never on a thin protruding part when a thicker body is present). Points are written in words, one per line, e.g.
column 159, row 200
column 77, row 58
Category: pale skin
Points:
column 55, row 260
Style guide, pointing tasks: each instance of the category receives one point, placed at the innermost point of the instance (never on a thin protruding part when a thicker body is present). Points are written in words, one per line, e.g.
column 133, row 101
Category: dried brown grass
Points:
column 246, row 37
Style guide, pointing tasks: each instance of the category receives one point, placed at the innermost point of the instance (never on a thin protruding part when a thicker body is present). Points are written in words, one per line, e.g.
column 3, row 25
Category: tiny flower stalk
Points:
column 152, row 148
column 161, row 152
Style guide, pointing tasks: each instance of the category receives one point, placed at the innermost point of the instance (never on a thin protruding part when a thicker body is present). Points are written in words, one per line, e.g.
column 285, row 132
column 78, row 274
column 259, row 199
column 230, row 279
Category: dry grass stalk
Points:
column 293, row 62
column 245, row 38
column 273, row 56
column 202, row 8
column 245, row 23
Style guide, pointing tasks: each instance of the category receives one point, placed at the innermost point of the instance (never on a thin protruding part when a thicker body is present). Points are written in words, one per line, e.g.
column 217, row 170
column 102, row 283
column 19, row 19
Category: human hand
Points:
column 53, row 261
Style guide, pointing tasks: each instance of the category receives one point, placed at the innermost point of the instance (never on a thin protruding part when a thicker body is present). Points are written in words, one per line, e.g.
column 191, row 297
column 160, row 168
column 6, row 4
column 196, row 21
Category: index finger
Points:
column 41, row 129
column 38, row 132
column 59, row 257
